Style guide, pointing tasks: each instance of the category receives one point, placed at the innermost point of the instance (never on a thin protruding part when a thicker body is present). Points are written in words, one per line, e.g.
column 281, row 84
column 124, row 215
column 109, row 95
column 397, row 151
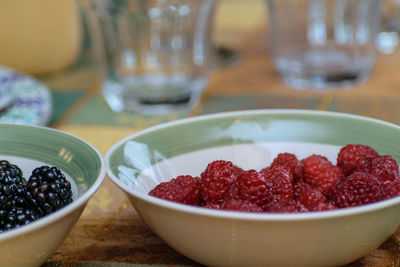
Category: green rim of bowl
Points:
column 188, row 135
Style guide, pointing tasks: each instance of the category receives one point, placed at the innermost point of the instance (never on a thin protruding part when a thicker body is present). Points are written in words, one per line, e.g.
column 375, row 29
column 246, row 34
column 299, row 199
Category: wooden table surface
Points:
column 111, row 233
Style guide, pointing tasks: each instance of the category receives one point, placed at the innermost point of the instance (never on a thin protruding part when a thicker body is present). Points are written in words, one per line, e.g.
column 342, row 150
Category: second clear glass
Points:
column 320, row 44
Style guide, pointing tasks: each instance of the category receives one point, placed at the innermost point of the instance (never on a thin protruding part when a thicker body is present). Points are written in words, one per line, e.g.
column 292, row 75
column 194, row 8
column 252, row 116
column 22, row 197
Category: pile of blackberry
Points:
column 23, row 201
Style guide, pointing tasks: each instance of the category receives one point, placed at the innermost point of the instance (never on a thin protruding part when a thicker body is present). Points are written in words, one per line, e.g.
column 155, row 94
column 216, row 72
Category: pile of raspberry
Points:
column 360, row 176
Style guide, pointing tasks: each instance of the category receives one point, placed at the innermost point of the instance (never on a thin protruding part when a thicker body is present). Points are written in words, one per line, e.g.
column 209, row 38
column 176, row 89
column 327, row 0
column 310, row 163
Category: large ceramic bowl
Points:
column 251, row 139
column 33, row 146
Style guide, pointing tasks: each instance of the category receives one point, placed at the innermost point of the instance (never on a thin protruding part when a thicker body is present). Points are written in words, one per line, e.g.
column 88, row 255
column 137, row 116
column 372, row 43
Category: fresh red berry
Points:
column 357, row 189
column 391, row 188
column 240, row 205
column 320, row 172
column 279, row 182
column 289, row 162
column 233, row 192
column 361, row 176
column 324, row 207
column 215, row 206
column 183, row 189
column 383, row 167
column 286, row 206
column 349, row 155
column 252, row 187
column 238, row 169
column 216, row 180
column 309, row 196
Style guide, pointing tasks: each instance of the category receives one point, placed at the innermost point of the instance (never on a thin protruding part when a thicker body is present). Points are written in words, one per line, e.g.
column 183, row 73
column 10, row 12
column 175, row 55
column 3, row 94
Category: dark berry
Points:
column 11, row 170
column 48, row 190
column 183, row 189
column 16, row 217
column 12, row 186
column 349, row 155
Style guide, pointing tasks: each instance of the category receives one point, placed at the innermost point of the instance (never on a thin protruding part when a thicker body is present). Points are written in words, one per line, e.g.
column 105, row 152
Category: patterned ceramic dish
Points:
column 33, row 146
column 6, row 96
column 31, row 99
column 251, row 139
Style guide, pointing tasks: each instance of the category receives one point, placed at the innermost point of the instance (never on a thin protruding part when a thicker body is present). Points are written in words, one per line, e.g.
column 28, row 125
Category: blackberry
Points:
column 48, row 190
column 12, row 186
column 16, row 217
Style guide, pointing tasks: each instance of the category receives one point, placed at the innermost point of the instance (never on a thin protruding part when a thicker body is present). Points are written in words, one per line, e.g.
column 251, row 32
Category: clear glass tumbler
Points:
column 320, row 44
column 388, row 39
column 154, row 55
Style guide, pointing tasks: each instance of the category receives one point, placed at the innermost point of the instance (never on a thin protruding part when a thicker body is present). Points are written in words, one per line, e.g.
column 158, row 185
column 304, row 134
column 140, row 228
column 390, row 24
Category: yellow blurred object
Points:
column 39, row 36
column 235, row 19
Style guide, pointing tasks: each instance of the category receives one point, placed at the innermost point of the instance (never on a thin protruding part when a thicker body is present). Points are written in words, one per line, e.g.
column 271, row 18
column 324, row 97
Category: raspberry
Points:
column 319, row 172
column 357, row 189
column 386, row 169
column 252, row 187
column 309, row 196
column 289, row 162
column 364, row 165
column 279, row 181
column 215, row 206
column 349, row 155
column 183, row 189
column 233, row 191
column 287, row 206
column 216, row 180
column 240, row 205
column 324, row 206
column 383, row 167
column 238, row 169
column 391, row 188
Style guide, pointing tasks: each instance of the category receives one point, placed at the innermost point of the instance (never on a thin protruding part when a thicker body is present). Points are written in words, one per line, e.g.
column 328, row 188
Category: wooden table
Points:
column 110, row 232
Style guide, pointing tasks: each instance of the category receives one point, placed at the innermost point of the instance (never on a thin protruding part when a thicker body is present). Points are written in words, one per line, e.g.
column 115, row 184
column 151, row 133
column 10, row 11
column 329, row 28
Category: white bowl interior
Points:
column 246, row 156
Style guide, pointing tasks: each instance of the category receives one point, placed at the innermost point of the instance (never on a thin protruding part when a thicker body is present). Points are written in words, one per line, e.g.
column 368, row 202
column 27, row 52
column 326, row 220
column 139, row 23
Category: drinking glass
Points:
column 323, row 44
column 388, row 38
column 153, row 55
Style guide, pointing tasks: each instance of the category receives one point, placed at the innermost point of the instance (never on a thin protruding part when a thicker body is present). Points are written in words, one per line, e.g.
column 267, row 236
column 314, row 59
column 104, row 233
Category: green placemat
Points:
column 384, row 108
column 62, row 102
column 95, row 110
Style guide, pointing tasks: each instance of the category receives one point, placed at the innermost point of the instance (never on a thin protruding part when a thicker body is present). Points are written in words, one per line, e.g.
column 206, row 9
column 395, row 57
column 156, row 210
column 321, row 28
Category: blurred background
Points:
column 51, row 42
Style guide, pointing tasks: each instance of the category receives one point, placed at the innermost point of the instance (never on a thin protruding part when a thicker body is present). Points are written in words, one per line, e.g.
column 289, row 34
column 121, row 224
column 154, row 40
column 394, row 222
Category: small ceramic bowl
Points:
column 33, row 146
column 251, row 139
